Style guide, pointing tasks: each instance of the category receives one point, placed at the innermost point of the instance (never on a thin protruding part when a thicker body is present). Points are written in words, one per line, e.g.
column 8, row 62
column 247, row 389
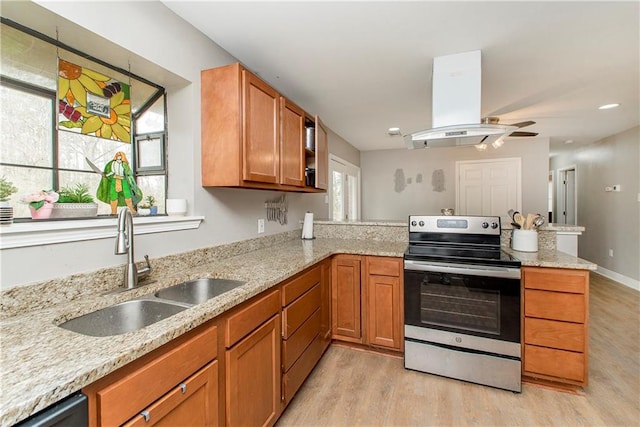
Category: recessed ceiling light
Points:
column 393, row 131
column 608, row 106
column 569, row 141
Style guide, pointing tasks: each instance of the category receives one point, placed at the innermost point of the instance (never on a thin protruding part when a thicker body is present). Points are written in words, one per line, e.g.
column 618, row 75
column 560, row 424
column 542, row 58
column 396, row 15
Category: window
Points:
column 344, row 192
column 35, row 155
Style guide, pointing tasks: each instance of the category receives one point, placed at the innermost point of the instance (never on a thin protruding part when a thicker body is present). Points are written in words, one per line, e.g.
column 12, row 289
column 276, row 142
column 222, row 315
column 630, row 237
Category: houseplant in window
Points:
column 75, row 202
column 6, row 190
column 41, row 203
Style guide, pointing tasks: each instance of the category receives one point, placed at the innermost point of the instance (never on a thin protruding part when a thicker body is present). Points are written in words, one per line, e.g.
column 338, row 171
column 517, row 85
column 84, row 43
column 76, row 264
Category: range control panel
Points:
column 455, row 224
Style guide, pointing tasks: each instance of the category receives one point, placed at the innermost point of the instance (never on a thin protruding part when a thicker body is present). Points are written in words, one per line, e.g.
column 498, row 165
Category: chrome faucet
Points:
column 124, row 245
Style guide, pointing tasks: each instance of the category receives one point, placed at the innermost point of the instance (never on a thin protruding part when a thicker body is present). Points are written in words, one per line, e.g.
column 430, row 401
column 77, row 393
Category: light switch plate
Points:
column 617, row 187
column 260, row 225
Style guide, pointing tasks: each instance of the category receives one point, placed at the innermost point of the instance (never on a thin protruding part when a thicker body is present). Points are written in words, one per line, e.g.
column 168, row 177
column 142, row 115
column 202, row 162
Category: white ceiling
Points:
column 366, row 66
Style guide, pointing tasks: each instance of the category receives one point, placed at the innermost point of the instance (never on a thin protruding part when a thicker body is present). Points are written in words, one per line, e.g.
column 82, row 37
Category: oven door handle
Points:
column 470, row 270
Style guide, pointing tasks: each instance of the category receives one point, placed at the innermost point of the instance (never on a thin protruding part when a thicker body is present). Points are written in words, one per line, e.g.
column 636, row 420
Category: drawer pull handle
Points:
column 183, row 387
column 146, row 415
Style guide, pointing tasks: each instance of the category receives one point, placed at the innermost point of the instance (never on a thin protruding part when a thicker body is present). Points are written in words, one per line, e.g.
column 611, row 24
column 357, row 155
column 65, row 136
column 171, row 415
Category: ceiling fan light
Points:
column 497, row 143
column 608, row 106
column 393, row 131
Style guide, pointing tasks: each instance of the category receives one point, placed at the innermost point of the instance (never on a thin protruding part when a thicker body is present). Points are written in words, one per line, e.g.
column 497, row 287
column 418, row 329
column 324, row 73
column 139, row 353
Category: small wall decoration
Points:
column 437, row 180
column 92, row 103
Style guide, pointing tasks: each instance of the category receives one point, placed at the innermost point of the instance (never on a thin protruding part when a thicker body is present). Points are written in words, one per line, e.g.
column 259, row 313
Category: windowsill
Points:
column 24, row 234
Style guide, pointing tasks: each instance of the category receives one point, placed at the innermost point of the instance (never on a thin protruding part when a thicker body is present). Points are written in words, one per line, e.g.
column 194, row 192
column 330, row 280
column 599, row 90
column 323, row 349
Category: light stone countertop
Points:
column 41, row 363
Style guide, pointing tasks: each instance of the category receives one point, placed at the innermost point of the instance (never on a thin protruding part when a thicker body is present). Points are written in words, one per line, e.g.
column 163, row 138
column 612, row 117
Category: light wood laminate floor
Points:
column 356, row 388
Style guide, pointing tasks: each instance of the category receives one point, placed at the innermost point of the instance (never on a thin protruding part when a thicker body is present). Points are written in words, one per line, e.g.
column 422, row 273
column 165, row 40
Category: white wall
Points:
column 612, row 219
column 165, row 49
column 383, row 198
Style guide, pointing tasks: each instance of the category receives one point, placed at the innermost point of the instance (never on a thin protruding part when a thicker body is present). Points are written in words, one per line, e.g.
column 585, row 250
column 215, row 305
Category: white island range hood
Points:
column 456, row 93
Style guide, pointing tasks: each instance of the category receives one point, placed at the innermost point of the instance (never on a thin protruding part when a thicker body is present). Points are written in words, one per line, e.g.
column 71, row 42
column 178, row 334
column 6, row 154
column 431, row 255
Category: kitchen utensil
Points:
column 515, row 225
column 537, row 223
column 510, row 212
column 529, row 221
column 519, row 219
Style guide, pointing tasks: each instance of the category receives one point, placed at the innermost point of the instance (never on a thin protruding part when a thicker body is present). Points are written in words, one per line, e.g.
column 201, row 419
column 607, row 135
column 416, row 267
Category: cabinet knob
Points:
column 146, row 414
column 183, row 387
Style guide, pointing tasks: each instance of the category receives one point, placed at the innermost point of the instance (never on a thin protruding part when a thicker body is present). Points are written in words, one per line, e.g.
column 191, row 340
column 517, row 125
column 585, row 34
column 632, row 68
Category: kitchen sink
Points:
column 198, row 291
column 122, row 318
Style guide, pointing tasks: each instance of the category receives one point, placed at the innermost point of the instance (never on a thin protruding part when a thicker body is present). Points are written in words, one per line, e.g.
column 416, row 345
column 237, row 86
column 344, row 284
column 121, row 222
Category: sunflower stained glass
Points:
column 92, row 103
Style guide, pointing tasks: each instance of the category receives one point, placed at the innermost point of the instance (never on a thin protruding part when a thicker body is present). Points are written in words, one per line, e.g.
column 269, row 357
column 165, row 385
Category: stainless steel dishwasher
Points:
column 72, row 411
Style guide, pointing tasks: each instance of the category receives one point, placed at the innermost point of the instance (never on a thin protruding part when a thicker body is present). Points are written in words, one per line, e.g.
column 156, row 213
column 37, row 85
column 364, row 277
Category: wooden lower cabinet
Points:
column 346, row 298
column 555, row 325
column 149, row 384
column 384, row 278
column 192, row 403
column 253, row 377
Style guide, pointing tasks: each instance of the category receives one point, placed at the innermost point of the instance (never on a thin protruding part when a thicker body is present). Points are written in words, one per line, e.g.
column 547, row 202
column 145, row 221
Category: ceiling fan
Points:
column 493, row 120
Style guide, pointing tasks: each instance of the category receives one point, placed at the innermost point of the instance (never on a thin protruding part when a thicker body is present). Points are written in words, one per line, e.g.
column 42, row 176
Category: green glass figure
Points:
column 118, row 186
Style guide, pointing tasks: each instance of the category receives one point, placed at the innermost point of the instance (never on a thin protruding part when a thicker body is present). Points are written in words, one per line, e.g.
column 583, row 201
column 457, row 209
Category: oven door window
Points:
column 475, row 305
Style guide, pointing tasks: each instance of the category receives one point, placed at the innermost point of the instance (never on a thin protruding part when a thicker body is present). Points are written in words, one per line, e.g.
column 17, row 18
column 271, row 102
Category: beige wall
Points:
column 612, row 219
column 381, row 200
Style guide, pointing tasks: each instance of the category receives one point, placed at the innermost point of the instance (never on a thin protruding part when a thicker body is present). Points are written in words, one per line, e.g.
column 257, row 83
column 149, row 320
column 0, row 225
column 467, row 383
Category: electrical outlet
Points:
column 611, row 253
column 260, row 225
column 617, row 187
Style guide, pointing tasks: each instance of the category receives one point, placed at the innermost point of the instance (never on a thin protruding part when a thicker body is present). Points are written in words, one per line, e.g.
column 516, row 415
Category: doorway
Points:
column 567, row 196
column 344, row 190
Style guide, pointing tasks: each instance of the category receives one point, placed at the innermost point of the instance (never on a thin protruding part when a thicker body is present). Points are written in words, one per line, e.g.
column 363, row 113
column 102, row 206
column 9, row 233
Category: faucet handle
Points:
column 145, row 270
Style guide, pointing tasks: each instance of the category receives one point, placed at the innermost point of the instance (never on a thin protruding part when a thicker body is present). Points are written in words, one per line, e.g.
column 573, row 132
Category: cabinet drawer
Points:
column 249, row 317
column 296, row 313
column 300, row 285
column 551, row 333
column 554, row 363
column 122, row 399
column 384, row 266
column 554, row 305
column 294, row 378
column 573, row 281
column 293, row 347
column 193, row 402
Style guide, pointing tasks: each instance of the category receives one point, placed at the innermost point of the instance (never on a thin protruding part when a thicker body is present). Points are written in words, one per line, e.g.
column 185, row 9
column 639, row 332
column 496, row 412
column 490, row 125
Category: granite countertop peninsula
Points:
column 41, row 363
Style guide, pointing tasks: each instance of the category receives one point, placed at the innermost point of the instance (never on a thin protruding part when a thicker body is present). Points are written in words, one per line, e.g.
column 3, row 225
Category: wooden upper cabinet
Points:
column 260, row 139
column 252, row 137
column 322, row 156
column 292, row 156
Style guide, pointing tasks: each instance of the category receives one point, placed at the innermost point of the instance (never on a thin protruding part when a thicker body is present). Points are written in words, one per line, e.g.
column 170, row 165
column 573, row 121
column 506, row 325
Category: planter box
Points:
column 74, row 210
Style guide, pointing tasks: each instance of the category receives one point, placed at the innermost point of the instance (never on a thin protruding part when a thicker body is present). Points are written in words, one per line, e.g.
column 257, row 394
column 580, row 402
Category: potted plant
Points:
column 6, row 190
column 41, row 203
column 151, row 201
column 75, row 202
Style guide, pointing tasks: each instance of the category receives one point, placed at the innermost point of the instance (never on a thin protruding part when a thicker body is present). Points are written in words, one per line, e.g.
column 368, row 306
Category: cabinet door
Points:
column 253, row 377
column 322, row 156
column 193, row 402
column 260, row 137
column 291, row 144
column 345, row 298
column 325, row 307
column 385, row 324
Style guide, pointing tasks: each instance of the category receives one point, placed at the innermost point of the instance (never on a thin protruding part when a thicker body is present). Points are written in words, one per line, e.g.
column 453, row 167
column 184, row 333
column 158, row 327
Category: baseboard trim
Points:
column 627, row 281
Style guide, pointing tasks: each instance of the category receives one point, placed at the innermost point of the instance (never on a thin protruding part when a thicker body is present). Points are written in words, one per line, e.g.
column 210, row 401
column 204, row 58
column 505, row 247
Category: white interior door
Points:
column 488, row 187
column 344, row 190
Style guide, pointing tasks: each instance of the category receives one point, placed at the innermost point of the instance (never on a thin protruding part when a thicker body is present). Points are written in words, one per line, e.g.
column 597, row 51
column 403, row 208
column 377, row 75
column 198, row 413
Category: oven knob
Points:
column 485, row 225
column 414, row 223
column 494, row 225
column 421, row 223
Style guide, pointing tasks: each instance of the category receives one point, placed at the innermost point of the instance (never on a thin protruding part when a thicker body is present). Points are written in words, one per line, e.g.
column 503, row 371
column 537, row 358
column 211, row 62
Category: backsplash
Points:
column 48, row 293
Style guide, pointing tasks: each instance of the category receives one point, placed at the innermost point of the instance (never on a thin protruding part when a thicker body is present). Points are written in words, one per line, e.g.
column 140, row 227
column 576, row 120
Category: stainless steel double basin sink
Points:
column 135, row 314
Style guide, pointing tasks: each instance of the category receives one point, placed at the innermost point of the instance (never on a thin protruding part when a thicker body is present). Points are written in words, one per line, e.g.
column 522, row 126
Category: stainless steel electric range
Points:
column 462, row 301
